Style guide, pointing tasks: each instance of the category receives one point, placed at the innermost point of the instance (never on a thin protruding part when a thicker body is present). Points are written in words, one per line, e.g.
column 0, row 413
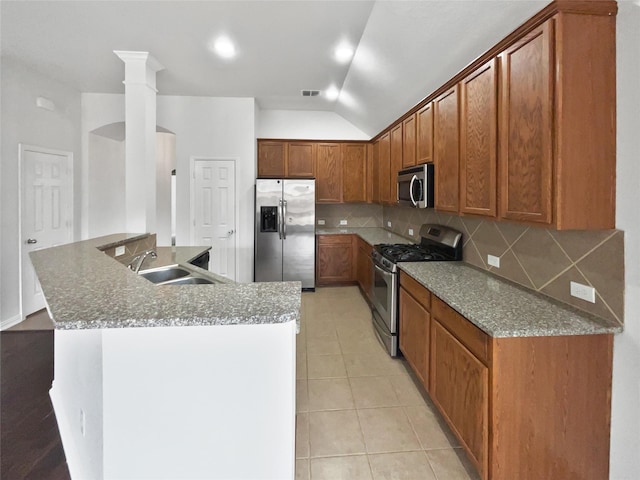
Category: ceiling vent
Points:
column 310, row 93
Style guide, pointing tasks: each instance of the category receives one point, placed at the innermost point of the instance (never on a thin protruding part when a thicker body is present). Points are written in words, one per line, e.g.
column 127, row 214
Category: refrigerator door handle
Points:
column 280, row 219
column 284, row 219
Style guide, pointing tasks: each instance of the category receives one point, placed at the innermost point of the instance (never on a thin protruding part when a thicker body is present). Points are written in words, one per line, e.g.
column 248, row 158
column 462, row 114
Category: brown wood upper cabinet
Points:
column 557, row 124
column 354, row 172
column 445, row 150
column 409, row 141
column 271, row 159
column 384, row 168
column 329, row 173
column 478, row 142
column 396, row 139
column 424, row 134
column 300, row 160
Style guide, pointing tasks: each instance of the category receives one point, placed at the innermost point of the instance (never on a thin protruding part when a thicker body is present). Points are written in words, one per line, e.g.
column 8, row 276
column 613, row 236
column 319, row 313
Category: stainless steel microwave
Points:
column 415, row 186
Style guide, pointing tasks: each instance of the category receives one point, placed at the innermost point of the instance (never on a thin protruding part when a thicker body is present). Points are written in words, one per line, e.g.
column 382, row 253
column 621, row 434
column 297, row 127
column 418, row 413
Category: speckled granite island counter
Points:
column 500, row 308
column 160, row 381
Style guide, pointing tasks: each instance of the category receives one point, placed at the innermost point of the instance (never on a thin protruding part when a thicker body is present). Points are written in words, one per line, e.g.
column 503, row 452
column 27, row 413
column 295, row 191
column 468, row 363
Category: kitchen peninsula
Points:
column 158, row 381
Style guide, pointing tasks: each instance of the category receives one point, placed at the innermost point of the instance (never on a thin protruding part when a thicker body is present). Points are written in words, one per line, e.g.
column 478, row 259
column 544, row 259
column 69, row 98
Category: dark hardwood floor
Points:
column 30, row 445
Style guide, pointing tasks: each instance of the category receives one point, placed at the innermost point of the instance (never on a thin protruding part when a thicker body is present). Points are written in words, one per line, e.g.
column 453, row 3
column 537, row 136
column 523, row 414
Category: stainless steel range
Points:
column 438, row 243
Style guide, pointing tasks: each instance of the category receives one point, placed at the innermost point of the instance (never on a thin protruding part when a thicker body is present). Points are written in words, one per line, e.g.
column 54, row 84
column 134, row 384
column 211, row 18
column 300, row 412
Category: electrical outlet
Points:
column 320, row 221
column 83, row 425
column 388, row 224
column 411, row 231
column 583, row 292
column 343, row 222
column 119, row 251
column 493, row 261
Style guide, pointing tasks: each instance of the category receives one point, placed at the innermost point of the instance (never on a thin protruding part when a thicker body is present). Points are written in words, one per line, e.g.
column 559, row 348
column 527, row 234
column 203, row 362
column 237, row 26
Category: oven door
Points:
column 384, row 297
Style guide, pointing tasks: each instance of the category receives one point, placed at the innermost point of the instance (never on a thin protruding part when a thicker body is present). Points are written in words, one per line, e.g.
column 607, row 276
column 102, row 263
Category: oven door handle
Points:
column 413, row 200
column 382, row 271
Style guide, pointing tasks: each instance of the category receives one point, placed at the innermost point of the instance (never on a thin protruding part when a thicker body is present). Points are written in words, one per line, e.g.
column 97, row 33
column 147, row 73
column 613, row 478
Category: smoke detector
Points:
column 310, row 93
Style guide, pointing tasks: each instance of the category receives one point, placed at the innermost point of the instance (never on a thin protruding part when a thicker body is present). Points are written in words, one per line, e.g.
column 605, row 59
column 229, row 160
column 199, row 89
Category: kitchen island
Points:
column 167, row 381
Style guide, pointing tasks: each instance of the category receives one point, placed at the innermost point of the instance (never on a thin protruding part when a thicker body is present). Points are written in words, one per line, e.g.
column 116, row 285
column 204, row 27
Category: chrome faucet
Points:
column 136, row 263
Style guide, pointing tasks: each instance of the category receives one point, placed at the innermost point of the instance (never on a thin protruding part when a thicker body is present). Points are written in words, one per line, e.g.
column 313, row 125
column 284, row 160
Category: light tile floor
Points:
column 359, row 413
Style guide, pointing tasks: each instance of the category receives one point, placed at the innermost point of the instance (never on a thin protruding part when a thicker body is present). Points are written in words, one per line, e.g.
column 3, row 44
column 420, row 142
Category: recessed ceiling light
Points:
column 224, row 47
column 343, row 53
column 332, row 93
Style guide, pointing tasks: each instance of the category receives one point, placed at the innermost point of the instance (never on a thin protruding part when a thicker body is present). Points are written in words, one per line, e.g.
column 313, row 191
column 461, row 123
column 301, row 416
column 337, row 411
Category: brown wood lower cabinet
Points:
column 364, row 268
column 334, row 259
column 522, row 407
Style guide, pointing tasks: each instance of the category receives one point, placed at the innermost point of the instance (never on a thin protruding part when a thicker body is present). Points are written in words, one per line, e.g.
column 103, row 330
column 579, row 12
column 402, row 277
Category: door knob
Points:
column 31, row 241
column 230, row 232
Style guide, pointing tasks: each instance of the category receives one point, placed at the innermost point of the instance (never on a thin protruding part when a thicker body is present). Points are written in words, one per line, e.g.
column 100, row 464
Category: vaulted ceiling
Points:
column 403, row 49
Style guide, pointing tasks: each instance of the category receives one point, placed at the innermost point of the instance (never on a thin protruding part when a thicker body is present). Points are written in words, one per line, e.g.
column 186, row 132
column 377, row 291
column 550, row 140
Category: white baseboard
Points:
column 10, row 322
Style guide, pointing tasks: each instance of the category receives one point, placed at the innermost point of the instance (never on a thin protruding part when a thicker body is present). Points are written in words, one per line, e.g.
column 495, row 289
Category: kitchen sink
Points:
column 165, row 274
column 190, row 281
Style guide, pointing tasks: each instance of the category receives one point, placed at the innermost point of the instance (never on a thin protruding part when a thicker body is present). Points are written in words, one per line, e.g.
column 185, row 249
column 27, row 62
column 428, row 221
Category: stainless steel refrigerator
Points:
column 285, row 231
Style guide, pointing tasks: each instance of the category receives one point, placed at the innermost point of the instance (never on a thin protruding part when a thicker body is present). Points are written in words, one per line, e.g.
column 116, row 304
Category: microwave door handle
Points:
column 284, row 219
column 413, row 179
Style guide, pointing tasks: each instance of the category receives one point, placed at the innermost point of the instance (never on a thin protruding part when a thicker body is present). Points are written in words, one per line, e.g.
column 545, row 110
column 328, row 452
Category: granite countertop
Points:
column 371, row 235
column 86, row 289
column 501, row 308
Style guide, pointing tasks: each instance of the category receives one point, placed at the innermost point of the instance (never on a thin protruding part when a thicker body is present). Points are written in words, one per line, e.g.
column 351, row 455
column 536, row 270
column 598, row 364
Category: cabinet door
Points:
column 409, row 141
column 365, row 269
column 424, row 134
column 301, row 160
column 328, row 173
column 354, row 172
column 445, row 150
column 271, row 156
column 396, row 162
column 414, row 335
column 478, row 142
column 375, row 168
column 334, row 259
column 384, row 168
column 460, row 389
column 525, row 128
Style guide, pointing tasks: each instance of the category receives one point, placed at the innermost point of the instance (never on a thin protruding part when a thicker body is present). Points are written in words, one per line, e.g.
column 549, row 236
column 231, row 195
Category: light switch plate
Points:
column 119, row 251
column 493, row 261
column 411, row 231
column 388, row 224
column 320, row 222
column 343, row 222
column 583, row 292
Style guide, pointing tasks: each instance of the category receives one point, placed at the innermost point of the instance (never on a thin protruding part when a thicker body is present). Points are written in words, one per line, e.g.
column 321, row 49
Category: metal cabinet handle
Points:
column 31, row 241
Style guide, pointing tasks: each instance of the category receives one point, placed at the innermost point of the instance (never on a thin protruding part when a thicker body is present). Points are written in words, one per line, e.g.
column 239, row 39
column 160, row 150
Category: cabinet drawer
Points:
column 334, row 239
column 418, row 292
column 468, row 334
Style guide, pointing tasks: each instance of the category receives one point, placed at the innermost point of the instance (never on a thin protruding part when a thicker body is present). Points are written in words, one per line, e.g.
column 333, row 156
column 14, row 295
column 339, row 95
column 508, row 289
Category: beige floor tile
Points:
column 407, row 391
column 326, row 366
column 302, row 469
column 373, row 392
column 302, row 396
column 451, row 464
column 430, row 429
column 359, row 344
column 387, row 430
column 401, row 466
column 315, row 329
column 355, row 467
column 323, row 346
column 330, row 394
column 372, row 365
column 335, row 433
column 302, row 435
column 301, row 366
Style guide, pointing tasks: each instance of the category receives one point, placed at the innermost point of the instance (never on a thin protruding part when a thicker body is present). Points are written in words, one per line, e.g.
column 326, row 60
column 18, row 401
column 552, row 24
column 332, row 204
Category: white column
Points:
column 140, row 144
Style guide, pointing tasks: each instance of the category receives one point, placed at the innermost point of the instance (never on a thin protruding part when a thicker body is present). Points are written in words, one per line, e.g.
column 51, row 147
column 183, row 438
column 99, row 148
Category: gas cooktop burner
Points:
column 408, row 253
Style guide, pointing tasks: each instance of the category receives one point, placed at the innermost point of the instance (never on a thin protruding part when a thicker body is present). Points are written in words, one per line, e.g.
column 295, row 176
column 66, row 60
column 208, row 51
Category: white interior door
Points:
column 213, row 211
column 46, row 212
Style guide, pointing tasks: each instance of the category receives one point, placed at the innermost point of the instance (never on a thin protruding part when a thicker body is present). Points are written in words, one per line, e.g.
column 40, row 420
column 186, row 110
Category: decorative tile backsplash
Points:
column 543, row 260
column 356, row 215
column 133, row 249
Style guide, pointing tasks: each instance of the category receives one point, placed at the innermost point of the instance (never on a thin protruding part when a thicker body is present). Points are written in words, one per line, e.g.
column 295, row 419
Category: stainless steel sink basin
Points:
column 161, row 275
column 190, row 281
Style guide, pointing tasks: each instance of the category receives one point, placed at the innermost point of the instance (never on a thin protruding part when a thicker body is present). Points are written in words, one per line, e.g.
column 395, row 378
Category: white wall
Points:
column 23, row 122
column 625, row 421
column 222, row 128
column 307, row 125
